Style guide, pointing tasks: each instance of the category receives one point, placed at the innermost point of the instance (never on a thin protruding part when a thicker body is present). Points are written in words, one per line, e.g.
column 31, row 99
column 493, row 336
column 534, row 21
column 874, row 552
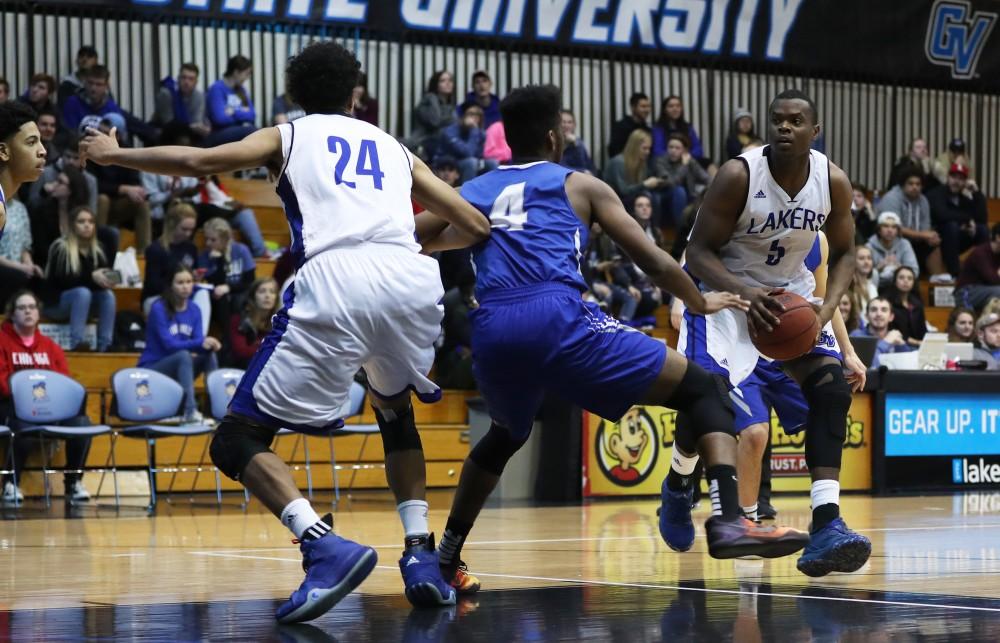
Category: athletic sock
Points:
column 681, row 468
column 450, row 549
column 751, row 511
column 724, row 491
column 303, row 521
column 413, row 513
column 825, row 497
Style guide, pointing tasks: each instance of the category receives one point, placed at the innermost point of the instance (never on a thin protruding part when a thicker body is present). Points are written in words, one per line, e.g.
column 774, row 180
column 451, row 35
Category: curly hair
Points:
column 528, row 114
column 322, row 78
column 12, row 117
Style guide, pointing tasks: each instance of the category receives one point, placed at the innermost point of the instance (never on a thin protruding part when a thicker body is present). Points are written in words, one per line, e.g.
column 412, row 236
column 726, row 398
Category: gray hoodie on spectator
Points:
column 915, row 215
column 903, row 251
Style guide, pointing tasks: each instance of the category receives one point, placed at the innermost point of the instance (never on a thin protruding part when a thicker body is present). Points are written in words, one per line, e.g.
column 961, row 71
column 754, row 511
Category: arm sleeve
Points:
column 697, row 151
column 163, row 110
column 159, row 325
column 154, row 192
column 6, row 370
column 241, row 348
column 216, row 105
column 245, row 114
column 59, row 363
column 909, row 258
column 56, row 274
column 197, row 110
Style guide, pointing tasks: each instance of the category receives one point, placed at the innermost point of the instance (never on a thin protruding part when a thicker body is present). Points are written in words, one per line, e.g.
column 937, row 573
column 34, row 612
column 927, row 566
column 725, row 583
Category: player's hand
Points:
column 856, row 371
column 98, row 147
column 762, row 314
column 716, row 301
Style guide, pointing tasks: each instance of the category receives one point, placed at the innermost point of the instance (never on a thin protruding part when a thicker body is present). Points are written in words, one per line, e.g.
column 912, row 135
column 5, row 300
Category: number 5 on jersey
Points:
column 508, row 209
column 775, row 253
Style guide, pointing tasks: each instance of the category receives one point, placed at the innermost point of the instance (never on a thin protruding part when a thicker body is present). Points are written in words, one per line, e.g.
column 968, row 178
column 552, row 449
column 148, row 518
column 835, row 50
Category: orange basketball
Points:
column 795, row 335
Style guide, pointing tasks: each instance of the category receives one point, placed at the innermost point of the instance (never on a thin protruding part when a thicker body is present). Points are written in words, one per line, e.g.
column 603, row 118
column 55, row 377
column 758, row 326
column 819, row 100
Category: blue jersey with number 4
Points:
column 536, row 236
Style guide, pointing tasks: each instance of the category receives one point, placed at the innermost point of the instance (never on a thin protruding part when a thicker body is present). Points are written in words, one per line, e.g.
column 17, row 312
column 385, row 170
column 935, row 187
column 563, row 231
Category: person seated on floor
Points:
column 23, row 346
column 175, row 344
column 248, row 328
column 79, row 279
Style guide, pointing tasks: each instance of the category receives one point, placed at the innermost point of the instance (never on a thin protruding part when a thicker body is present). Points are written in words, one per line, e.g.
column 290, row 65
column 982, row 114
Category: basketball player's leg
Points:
column 833, row 546
column 750, row 451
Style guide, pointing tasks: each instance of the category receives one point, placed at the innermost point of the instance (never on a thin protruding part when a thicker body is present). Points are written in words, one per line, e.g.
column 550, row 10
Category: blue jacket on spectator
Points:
column 661, row 136
column 166, row 336
column 460, row 143
column 76, row 109
column 219, row 96
column 238, row 272
column 576, row 157
column 882, row 346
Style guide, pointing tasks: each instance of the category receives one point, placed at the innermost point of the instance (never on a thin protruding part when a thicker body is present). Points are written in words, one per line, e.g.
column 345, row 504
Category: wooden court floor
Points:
column 593, row 572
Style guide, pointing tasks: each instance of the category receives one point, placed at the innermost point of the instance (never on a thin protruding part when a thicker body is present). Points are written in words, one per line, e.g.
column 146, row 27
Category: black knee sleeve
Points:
column 399, row 430
column 235, row 443
column 704, row 406
column 829, row 397
column 495, row 449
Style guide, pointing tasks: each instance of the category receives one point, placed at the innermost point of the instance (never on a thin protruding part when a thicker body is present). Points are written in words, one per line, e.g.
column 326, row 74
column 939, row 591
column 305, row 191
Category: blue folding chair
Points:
column 221, row 384
column 147, row 397
column 357, row 397
column 41, row 400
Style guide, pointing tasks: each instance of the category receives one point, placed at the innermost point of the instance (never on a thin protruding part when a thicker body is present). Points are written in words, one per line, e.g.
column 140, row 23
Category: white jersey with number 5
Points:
column 776, row 230
column 345, row 183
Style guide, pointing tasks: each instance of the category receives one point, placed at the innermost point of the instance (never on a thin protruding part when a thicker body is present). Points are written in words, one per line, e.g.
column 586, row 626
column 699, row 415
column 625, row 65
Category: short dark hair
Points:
column 42, row 77
column 237, row 63
column 481, row 74
column 908, row 173
column 322, row 77
column 795, row 94
column 684, row 140
column 635, row 98
column 860, row 187
column 87, row 50
column 191, row 67
column 880, row 298
column 12, row 302
column 12, row 116
column 528, row 114
column 46, row 111
column 99, row 71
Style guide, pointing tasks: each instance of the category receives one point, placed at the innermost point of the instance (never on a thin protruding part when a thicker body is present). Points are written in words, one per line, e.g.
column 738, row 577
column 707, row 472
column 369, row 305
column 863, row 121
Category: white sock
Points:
column 713, row 493
column 751, row 511
column 298, row 516
column 683, row 464
column 413, row 513
column 824, row 492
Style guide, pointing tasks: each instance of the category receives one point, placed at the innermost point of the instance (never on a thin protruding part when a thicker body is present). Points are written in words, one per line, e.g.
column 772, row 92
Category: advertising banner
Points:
column 632, row 456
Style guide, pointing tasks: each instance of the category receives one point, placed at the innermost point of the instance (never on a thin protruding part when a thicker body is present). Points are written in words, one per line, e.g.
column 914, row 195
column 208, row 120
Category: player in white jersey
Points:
column 22, row 155
column 758, row 222
column 363, row 297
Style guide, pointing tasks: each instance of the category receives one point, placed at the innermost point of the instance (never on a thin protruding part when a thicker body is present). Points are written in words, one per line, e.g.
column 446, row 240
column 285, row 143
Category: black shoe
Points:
column 765, row 510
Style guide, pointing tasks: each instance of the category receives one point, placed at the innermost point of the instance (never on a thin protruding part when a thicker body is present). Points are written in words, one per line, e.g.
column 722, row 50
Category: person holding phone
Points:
column 79, row 280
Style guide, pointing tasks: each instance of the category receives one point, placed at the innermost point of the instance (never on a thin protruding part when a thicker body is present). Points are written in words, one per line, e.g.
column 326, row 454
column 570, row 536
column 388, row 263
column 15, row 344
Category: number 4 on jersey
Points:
column 508, row 209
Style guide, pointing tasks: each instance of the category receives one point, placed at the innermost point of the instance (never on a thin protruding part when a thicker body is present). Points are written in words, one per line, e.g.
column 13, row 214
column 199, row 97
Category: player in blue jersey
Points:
column 22, row 155
column 534, row 333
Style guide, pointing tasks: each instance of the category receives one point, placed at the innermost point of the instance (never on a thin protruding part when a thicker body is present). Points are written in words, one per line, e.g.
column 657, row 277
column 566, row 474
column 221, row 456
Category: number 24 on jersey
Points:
column 367, row 164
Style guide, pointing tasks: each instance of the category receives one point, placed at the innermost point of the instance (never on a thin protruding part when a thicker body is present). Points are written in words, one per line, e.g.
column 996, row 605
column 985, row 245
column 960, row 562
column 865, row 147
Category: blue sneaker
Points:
column 424, row 584
column 834, row 548
column 676, row 527
column 334, row 567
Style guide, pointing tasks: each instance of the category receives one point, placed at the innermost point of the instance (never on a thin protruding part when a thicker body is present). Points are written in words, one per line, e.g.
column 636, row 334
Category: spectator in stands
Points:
column 862, row 213
column 918, row 160
column 962, row 325
column 175, row 343
column 628, row 173
column 229, row 268
column 93, row 105
column 684, row 177
column 41, row 93
column 954, row 155
column 642, row 212
column 621, row 130
column 433, row 114
column 908, row 201
column 958, row 211
column 230, row 110
column 890, row 250
column 286, row 110
column 741, row 133
column 988, row 334
column 365, row 105
column 248, row 328
column 482, row 95
column 852, row 320
column 601, row 272
column 575, row 154
column 174, row 248
column 979, row 279
column 72, row 84
column 123, row 202
column 645, row 293
column 78, row 276
column 670, row 122
column 4, row 90
column 48, row 127
column 907, row 306
column 495, row 146
column 180, row 101
column 890, row 340
column 446, row 169
column 17, row 268
column 864, row 285
column 22, row 347
column 463, row 141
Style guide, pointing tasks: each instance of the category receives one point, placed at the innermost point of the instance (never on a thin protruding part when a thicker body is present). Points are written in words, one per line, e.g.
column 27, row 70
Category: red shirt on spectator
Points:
column 16, row 355
column 980, row 268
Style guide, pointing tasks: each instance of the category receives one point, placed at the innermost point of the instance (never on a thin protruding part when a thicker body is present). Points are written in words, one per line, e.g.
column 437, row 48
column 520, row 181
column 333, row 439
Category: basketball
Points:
column 796, row 334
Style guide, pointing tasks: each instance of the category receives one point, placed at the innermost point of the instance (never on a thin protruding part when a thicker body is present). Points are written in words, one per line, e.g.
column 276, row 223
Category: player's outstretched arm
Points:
column 468, row 225
column 607, row 209
column 262, row 148
column 839, row 228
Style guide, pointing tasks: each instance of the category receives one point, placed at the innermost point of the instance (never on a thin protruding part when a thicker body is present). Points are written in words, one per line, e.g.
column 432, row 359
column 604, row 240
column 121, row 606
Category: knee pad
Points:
column 235, row 444
column 829, row 397
column 399, row 430
column 495, row 449
column 704, row 406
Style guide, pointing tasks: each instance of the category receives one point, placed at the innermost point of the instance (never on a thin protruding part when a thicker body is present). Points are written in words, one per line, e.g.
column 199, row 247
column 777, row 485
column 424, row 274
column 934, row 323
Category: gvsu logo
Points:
column 956, row 36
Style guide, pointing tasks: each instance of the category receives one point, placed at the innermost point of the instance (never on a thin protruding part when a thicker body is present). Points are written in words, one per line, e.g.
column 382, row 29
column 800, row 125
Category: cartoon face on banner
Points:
column 627, row 450
column 38, row 392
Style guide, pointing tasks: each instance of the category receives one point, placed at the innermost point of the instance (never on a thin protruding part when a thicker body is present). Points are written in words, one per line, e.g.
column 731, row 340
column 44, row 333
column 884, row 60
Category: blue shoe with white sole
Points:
column 834, row 548
column 420, row 566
